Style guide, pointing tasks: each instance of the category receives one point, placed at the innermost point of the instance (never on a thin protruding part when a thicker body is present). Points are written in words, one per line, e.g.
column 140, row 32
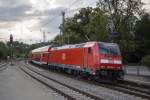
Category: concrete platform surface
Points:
column 15, row 85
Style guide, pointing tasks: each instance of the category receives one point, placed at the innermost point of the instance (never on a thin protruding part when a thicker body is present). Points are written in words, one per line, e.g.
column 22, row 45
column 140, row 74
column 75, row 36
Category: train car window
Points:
column 89, row 50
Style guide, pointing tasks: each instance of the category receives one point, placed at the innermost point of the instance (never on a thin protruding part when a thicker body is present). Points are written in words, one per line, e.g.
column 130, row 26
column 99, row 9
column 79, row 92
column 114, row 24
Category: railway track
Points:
column 67, row 91
column 129, row 89
column 144, row 89
column 125, row 87
column 139, row 90
column 137, row 84
column 3, row 66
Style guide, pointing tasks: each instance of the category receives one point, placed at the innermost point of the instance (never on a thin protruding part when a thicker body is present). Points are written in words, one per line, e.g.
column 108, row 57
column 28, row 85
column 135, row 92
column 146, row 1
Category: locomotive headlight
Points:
column 117, row 62
column 104, row 61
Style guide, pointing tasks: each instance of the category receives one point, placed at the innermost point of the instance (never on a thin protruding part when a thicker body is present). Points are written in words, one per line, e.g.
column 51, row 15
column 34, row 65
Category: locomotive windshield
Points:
column 106, row 48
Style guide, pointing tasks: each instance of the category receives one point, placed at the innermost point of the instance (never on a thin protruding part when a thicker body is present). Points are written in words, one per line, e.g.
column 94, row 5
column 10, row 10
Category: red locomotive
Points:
column 93, row 58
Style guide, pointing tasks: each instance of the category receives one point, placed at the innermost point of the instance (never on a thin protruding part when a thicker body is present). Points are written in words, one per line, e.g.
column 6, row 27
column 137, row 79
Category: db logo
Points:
column 63, row 56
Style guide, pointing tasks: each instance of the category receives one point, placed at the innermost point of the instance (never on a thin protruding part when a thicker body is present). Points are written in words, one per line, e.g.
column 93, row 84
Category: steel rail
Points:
column 3, row 66
column 48, row 85
column 68, row 86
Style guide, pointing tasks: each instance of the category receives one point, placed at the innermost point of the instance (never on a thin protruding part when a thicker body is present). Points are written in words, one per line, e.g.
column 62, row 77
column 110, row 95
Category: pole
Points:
column 11, row 48
column 138, row 70
column 44, row 37
column 11, row 54
column 63, row 23
column 60, row 38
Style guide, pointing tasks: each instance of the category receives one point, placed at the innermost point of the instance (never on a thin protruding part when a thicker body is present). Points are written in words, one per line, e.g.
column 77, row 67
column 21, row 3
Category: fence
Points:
column 137, row 70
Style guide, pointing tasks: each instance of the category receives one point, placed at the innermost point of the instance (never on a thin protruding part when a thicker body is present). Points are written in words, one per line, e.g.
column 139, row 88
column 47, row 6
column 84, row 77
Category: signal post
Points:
column 11, row 48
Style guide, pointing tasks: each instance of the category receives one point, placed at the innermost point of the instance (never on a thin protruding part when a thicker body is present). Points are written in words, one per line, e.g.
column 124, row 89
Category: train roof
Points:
column 87, row 44
column 82, row 45
column 41, row 49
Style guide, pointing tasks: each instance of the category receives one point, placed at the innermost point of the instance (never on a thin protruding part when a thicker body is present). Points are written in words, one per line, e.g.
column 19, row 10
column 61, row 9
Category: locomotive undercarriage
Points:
column 84, row 72
column 103, row 73
column 110, row 74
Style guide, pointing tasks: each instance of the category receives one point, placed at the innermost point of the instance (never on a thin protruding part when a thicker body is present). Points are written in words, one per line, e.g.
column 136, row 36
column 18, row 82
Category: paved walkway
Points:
column 15, row 85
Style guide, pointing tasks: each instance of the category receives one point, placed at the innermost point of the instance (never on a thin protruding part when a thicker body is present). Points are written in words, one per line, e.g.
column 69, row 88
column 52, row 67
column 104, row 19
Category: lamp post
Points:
column 11, row 47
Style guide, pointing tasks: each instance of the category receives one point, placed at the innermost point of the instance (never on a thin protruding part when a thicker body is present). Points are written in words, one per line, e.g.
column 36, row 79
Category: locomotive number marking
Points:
column 63, row 56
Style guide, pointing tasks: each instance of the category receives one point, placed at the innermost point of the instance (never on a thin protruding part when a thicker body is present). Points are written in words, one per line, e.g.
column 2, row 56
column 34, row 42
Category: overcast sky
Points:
column 27, row 19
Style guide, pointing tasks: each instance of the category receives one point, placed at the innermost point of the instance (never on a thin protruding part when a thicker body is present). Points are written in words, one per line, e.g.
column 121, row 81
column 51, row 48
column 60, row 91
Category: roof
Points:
column 41, row 49
column 87, row 44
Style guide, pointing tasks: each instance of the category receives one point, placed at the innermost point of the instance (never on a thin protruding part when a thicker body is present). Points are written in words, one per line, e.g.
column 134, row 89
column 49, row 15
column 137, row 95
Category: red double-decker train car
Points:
column 40, row 55
column 92, row 58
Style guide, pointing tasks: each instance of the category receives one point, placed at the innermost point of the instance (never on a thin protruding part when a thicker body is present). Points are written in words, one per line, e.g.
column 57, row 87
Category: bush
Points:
column 146, row 60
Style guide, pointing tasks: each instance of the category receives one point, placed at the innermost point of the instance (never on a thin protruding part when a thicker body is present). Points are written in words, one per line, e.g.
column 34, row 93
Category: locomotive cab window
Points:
column 109, row 49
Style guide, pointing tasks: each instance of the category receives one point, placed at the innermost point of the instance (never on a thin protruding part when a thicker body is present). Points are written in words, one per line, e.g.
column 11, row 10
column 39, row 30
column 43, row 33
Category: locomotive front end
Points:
column 110, row 61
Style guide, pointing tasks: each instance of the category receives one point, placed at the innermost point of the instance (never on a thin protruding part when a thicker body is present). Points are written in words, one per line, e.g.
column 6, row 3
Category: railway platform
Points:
column 15, row 85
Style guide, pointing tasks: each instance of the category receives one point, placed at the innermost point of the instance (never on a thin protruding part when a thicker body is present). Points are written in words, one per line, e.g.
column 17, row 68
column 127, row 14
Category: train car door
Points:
column 88, row 59
column 49, row 58
column 85, row 58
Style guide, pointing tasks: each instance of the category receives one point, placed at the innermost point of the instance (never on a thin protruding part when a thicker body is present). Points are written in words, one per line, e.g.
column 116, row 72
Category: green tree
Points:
column 123, row 15
column 33, row 46
column 87, row 25
column 142, row 33
column 19, row 49
column 96, row 28
column 3, row 50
